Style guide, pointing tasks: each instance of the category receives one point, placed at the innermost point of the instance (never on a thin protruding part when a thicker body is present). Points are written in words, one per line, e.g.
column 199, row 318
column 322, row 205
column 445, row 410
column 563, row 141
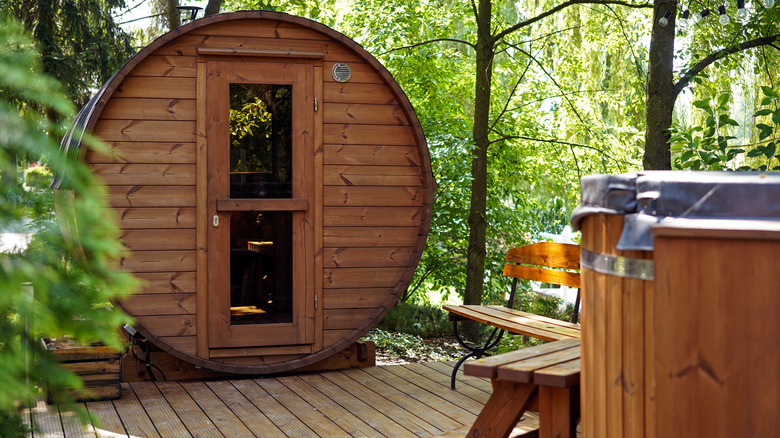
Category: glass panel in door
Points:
column 258, row 130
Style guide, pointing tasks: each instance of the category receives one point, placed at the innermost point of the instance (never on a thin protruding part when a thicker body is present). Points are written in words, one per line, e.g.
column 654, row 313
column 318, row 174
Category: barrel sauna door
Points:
column 259, row 136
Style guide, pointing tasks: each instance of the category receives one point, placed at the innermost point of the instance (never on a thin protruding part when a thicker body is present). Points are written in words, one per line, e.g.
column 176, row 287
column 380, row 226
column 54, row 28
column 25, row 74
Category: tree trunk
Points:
column 660, row 91
column 173, row 14
column 475, row 265
column 213, row 7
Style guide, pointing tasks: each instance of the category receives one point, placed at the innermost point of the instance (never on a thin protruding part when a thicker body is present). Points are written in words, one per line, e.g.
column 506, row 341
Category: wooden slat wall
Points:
column 372, row 199
column 372, row 190
column 149, row 125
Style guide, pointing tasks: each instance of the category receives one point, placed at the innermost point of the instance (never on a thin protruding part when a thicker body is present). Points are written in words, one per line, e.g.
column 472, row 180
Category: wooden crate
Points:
column 98, row 367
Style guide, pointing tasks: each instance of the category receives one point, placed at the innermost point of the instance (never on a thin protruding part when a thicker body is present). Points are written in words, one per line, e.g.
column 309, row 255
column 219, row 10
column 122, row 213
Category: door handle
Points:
column 215, row 220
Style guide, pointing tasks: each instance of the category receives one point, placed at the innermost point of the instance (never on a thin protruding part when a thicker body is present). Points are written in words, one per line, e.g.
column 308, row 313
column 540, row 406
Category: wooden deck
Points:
column 393, row 401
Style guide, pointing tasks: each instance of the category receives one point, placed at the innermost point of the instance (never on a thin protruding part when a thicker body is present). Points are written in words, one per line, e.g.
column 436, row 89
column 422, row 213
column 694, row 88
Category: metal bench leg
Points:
column 576, row 315
column 474, row 351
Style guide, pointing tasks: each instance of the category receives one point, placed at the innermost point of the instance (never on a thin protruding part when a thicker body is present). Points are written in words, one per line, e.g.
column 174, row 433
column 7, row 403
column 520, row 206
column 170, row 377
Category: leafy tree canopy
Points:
column 79, row 42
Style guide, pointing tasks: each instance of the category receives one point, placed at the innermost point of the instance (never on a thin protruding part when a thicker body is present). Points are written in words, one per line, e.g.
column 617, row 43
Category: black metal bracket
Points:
column 475, row 351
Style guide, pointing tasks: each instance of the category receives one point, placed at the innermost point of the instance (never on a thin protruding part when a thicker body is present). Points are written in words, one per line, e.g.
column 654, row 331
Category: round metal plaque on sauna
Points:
column 274, row 250
column 341, row 72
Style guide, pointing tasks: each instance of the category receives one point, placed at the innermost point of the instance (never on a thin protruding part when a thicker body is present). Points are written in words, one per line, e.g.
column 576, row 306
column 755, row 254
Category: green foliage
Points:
column 249, row 125
column 422, row 320
column 706, row 147
column 38, row 177
column 407, row 346
column 79, row 42
column 64, row 281
column 12, row 425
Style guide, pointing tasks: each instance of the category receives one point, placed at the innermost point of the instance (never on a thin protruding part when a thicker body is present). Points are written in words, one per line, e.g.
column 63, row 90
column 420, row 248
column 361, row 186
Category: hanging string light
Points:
column 742, row 12
column 684, row 18
column 664, row 21
column 724, row 19
column 687, row 18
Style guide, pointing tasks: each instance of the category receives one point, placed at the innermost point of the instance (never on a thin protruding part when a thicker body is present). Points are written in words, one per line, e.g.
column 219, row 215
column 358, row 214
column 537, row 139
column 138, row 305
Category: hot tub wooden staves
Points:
column 273, row 188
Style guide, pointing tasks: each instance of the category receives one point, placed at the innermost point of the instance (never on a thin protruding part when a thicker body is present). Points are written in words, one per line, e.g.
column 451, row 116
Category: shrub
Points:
column 422, row 320
column 38, row 177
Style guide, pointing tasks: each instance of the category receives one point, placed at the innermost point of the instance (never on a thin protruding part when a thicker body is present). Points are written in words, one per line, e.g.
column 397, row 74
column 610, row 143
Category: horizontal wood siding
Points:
column 166, row 282
column 145, row 153
column 371, row 257
column 373, row 216
column 160, row 240
column 372, row 197
column 149, row 109
column 356, row 298
column 160, row 304
column 371, row 155
column 174, row 65
column 142, row 218
column 373, row 183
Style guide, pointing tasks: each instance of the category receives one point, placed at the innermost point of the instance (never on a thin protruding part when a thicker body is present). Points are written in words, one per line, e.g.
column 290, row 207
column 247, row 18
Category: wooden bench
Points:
column 530, row 262
column 543, row 379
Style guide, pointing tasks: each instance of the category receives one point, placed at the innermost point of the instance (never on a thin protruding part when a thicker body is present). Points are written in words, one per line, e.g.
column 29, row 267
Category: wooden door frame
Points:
column 307, row 181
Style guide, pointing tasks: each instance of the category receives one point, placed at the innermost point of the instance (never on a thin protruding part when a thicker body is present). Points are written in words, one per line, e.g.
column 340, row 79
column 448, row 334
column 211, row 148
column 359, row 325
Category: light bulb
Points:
column 742, row 14
column 664, row 21
column 724, row 19
column 683, row 21
column 769, row 3
column 695, row 18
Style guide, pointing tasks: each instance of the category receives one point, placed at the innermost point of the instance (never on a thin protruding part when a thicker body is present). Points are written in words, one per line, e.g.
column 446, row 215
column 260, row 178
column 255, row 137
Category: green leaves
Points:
column 66, row 278
column 706, row 147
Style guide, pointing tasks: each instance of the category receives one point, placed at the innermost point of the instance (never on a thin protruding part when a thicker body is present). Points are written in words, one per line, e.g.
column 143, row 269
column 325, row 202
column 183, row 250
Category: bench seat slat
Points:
column 488, row 366
column 478, row 314
column 522, row 323
column 523, row 371
column 563, row 375
column 576, row 328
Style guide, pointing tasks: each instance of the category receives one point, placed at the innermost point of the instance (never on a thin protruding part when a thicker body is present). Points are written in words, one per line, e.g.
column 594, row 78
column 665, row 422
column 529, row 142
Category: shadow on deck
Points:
column 393, row 401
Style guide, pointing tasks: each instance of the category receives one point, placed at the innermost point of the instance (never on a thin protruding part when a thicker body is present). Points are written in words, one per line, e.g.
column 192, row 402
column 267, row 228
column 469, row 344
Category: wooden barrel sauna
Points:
column 273, row 188
column 674, row 339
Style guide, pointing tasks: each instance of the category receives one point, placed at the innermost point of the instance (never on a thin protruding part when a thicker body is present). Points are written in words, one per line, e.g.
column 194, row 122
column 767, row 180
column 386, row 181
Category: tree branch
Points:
column 550, row 34
column 711, row 58
column 411, row 46
column 561, row 6
column 553, row 96
column 637, row 64
column 509, row 98
column 564, row 143
column 555, row 82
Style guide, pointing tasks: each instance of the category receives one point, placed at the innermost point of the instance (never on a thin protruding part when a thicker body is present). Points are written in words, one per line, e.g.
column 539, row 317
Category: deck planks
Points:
column 392, row 401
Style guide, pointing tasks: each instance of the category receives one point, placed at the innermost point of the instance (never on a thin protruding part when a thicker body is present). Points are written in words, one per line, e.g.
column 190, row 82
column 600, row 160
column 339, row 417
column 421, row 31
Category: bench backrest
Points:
column 542, row 256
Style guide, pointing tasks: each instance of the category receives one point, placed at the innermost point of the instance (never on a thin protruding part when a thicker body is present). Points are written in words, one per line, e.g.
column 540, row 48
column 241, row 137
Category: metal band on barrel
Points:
column 616, row 265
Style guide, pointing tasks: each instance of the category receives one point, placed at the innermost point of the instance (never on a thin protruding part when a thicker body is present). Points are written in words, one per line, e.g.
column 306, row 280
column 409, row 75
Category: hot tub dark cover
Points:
column 650, row 197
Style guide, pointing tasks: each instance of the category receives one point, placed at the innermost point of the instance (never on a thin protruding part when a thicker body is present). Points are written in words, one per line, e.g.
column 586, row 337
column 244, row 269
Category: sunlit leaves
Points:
column 706, row 147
